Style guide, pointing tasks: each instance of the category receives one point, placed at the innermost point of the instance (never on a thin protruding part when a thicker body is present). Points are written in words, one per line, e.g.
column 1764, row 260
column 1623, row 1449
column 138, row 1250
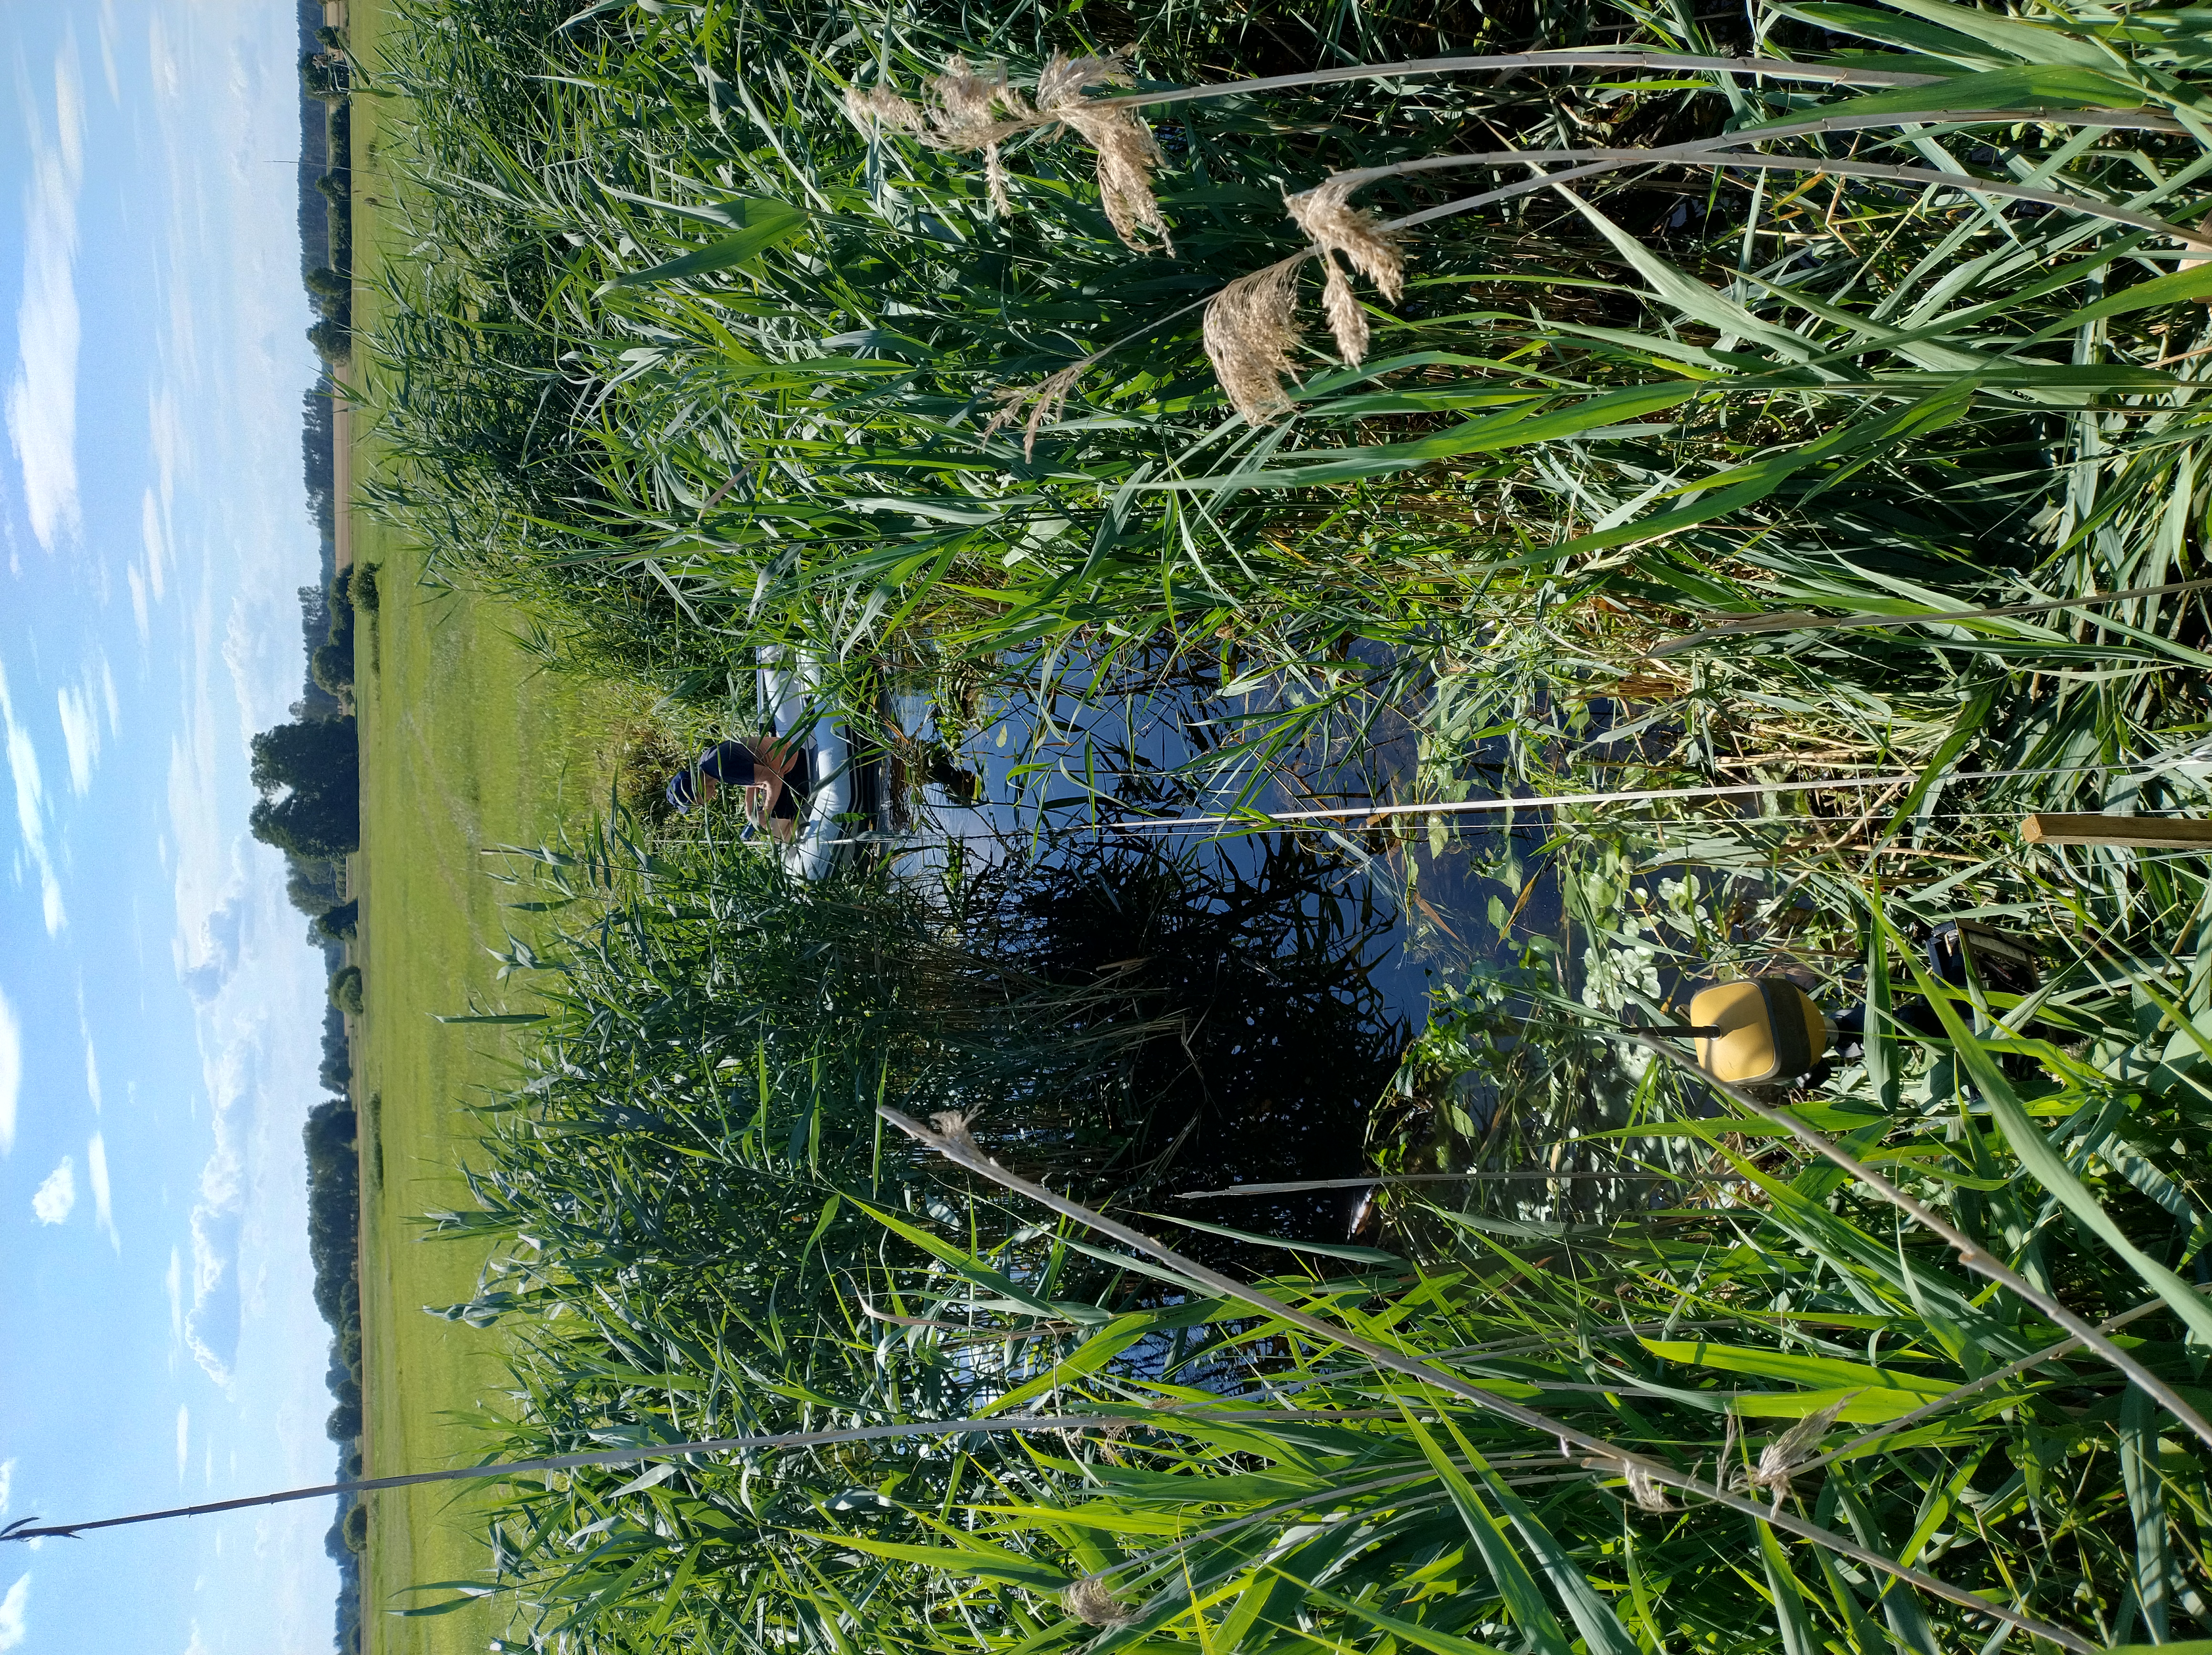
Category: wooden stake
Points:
column 2124, row 833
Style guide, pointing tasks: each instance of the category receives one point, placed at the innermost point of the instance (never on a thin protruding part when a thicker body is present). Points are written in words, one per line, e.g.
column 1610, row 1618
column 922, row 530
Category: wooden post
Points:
column 2124, row 833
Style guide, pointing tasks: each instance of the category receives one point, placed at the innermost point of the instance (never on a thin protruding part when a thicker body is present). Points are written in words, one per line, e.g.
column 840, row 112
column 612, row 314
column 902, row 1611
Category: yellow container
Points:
column 1770, row 1028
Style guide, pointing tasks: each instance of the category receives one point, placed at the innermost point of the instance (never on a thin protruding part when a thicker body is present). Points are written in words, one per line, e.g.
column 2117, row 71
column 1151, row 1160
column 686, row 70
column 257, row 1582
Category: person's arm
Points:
column 773, row 760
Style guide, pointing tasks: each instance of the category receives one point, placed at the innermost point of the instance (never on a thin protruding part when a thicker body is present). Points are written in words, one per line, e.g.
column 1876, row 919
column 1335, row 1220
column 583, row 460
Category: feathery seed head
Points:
column 1251, row 328
column 1126, row 153
column 1045, row 400
column 968, row 102
column 951, row 1125
column 1649, row 1495
column 1347, row 322
column 977, row 109
column 1093, row 1601
column 1125, row 148
column 880, row 103
column 1781, row 1456
column 1344, row 234
column 1326, row 213
column 1064, row 77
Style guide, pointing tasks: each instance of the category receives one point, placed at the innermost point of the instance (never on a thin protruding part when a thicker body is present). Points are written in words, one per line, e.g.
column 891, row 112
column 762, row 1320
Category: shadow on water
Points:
column 1255, row 969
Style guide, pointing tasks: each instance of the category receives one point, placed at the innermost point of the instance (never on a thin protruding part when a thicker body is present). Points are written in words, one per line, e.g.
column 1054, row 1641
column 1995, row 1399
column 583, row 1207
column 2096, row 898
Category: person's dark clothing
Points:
column 732, row 764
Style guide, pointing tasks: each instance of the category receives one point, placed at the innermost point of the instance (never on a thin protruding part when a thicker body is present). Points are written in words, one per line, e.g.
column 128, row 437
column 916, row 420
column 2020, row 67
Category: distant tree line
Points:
column 308, row 773
column 330, row 663
column 318, row 468
column 334, row 1248
column 327, row 79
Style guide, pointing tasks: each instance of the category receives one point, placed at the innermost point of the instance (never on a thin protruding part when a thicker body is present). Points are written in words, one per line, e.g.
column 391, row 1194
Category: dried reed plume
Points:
column 1343, row 234
column 1093, row 1601
column 1648, row 1494
column 1045, row 400
column 1125, row 148
column 1781, row 1456
column 973, row 109
column 952, row 1125
column 1251, row 328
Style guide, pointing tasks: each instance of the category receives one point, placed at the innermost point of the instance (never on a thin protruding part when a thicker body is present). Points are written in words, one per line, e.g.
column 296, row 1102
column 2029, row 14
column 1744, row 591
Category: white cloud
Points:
column 103, row 1206
column 42, row 402
column 138, row 611
column 168, row 73
column 56, row 1198
column 11, row 1073
column 80, row 738
column 92, row 1077
column 183, row 1438
column 14, row 1611
column 30, row 805
column 7, row 1483
column 151, row 530
column 107, row 31
column 81, row 710
column 174, row 1280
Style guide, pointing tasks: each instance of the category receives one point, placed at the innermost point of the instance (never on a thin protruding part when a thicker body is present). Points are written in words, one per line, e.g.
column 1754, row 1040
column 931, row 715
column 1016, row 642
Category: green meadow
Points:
column 468, row 744
column 1767, row 445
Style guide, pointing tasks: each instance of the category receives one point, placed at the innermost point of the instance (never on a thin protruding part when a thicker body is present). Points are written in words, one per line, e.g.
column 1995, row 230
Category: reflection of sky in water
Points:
column 1068, row 774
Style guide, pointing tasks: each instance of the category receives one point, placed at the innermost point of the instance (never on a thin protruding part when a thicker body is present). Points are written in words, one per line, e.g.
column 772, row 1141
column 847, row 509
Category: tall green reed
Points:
column 710, row 365
column 703, row 364
column 1774, row 1326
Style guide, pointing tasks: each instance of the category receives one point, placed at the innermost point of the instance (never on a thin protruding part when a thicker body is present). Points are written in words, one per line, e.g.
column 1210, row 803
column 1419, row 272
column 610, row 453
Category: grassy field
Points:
column 465, row 745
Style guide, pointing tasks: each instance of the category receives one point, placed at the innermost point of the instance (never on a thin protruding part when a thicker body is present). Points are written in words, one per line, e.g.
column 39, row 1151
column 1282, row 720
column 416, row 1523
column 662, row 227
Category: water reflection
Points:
column 1292, row 965
column 1255, row 965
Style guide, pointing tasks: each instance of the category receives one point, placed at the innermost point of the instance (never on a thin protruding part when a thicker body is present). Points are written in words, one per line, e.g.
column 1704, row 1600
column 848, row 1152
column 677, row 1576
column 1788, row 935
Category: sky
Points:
column 159, row 1010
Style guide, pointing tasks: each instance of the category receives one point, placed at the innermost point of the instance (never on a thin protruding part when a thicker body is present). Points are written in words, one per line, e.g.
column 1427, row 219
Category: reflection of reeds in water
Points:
column 1270, row 1043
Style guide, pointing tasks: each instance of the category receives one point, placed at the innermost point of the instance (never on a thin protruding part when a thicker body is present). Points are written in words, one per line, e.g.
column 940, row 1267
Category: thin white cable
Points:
column 1636, row 796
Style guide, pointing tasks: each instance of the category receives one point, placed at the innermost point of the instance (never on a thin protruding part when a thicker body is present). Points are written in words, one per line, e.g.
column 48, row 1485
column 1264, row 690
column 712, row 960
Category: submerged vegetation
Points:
column 1678, row 380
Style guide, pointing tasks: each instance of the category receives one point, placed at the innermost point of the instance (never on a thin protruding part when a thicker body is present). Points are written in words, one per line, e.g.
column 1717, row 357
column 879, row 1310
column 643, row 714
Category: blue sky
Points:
column 159, row 1010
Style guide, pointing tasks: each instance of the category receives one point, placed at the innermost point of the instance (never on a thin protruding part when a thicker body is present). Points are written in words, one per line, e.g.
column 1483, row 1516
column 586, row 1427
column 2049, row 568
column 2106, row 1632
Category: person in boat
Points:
column 768, row 774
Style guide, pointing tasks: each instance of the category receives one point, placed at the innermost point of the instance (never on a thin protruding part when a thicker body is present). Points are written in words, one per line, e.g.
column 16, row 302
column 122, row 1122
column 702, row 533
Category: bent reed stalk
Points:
column 29, row 1529
column 956, row 1145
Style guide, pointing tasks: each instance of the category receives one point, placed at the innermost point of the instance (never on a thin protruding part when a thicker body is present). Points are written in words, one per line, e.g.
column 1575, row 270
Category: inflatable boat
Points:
column 790, row 690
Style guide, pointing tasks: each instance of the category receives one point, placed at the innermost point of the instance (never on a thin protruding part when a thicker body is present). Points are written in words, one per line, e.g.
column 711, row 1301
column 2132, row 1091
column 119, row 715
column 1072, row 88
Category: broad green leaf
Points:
column 1797, row 1634
column 974, row 1269
column 2179, row 287
column 2049, row 1168
column 1409, row 1633
column 1093, row 1353
column 1524, row 1602
column 1326, row 1249
column 1910, row 32
column 2155, row 1571
column 1831, row 1373
column 1592, row 1614
column 769, row 224
column 2027, row 42
column 970, row 1557
column 2027, row 87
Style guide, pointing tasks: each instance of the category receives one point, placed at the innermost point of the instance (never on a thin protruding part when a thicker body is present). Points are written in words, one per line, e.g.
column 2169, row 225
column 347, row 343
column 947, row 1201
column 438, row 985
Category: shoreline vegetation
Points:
column 1268, row 378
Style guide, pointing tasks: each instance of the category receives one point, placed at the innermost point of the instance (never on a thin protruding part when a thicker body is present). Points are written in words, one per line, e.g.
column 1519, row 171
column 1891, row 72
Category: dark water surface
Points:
column 1296, row 963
